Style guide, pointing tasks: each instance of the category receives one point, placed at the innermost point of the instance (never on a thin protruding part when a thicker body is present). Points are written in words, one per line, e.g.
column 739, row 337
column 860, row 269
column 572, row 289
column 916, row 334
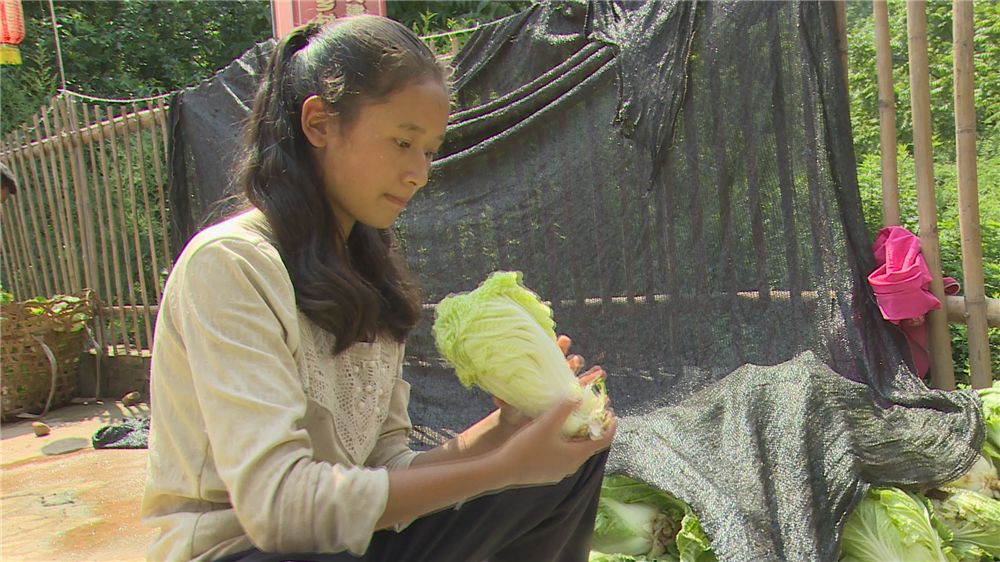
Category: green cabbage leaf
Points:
column 974, row 520
column 890, row 525
column 501, row 337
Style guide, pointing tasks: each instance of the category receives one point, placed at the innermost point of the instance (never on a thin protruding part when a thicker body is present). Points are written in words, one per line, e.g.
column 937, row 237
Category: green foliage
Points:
column 429, row 18
column 865, row 123
column 126, row 49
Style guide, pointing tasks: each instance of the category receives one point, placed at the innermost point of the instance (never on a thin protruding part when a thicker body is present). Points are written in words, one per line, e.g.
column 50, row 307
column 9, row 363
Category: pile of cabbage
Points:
column 638, row 523
column 501, row 337
column 957, row 522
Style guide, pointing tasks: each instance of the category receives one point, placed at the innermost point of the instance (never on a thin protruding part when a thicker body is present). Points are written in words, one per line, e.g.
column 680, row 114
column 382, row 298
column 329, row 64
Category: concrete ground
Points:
column 60, row 499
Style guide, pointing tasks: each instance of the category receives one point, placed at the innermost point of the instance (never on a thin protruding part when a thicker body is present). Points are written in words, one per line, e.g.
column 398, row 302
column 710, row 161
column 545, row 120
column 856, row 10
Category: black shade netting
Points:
column 678, row 180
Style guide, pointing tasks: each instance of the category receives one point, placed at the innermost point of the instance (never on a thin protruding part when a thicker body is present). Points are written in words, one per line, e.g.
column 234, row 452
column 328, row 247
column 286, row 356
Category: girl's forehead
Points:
column 424, row 105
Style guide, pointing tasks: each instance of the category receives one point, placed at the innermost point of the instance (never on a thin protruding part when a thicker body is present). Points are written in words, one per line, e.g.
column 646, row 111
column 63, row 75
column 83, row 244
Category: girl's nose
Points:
column 418, row 173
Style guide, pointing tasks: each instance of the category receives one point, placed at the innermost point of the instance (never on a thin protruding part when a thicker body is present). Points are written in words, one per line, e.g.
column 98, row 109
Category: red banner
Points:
column 289, row 14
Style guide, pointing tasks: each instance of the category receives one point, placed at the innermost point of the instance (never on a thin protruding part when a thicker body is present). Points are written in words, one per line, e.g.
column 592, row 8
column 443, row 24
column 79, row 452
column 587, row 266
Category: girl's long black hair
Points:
column 348, row 63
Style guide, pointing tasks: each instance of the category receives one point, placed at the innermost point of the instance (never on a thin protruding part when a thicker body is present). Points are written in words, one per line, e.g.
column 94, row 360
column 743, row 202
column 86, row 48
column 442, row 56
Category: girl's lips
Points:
column 396, row 200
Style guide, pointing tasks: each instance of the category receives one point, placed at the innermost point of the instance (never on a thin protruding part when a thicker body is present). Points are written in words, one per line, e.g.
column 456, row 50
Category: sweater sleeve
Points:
column 235, row 307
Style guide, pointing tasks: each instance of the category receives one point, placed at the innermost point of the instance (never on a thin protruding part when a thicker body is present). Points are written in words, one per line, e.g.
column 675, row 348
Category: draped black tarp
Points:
column 678, row 180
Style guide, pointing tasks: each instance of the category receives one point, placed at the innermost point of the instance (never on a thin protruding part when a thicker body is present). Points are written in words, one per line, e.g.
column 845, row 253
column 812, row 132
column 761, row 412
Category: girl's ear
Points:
column 317, row 123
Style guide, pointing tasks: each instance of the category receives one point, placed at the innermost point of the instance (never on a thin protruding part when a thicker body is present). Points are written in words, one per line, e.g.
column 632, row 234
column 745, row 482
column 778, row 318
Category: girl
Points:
column 280, row 429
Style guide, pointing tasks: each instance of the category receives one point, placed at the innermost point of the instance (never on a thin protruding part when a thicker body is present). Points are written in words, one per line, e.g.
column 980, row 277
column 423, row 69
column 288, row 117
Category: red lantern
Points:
column 11, row 31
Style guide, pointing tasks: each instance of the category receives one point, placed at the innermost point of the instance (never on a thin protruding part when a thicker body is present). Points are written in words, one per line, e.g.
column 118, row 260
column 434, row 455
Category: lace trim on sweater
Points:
column 354, row 386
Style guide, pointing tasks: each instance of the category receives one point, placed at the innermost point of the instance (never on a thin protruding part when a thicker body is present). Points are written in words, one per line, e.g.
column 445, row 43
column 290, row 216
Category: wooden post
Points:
column 72, row 249
column 968, row 195
column 886, row 115
column 939, row 340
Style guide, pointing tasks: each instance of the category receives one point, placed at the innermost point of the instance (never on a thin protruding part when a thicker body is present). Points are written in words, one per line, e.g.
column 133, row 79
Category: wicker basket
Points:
column 60, row 324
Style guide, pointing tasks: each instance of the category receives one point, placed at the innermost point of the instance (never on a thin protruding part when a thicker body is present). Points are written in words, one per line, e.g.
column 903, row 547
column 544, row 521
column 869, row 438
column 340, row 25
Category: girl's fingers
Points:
column 564, row 343
column 592, row 375
column 575, row 363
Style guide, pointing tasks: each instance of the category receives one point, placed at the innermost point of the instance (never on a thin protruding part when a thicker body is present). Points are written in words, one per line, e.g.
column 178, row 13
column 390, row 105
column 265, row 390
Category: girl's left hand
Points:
column 511, row 419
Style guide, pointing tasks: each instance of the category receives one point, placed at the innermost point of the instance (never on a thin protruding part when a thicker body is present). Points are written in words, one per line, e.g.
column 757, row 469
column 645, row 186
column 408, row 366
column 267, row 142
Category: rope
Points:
column 450, row 33
column 55, row 34
column 111, row 100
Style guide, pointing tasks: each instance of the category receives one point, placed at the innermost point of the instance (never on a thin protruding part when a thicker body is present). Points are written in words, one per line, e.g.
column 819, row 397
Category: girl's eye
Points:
column 431, row 155
column 402, row 143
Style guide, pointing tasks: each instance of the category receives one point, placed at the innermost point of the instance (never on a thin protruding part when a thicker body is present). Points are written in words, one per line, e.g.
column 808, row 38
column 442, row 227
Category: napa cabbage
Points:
column 981, row 478
column 501, row 337
column 635, row 519
column 972, row 518
column 890, row 525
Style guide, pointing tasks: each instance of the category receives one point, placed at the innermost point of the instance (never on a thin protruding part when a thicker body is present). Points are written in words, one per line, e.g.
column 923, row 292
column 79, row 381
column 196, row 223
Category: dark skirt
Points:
column 533, row 524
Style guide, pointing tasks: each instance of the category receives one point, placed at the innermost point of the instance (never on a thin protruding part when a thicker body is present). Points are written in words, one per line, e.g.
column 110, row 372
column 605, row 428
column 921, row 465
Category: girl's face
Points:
column 373, row 166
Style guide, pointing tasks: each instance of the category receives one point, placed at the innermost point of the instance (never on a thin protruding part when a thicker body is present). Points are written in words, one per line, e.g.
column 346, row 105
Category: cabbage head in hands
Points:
column 501, row 338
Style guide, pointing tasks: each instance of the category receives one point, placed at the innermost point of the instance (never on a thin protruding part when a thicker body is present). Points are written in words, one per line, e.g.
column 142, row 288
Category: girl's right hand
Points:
column 539, row 454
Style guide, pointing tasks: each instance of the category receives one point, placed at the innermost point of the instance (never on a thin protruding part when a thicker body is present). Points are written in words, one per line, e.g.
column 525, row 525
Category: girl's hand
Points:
column 511, row 419
column 539, row 454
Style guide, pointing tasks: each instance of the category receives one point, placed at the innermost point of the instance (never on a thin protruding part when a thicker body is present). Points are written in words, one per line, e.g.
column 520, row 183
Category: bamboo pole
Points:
column 15, row 267
column 980, row 369
column 8, row 269
column 957, row 312
column 19, row 240
column 147, row 119
column 103, row 288
column 86, row 194
column 10, row 233
column 59, row 160
column 113, row 235
column 840, row 13
column 141, row 156
column 48, row 173
column 26, row 196
column 80, row 192
column 942, row 370
column 161, row 119
column 104, row 283
column 127, row 150
column 32, row 269
column 130, row 285
column 49, row 265
column 886, row 115
column 160, row 199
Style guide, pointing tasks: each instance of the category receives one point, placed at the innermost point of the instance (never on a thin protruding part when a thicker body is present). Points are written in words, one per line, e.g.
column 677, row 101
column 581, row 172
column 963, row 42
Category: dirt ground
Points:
column 60, row 499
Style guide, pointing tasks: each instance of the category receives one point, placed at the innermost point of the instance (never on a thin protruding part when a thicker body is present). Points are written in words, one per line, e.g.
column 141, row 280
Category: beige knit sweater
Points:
column 260, row 436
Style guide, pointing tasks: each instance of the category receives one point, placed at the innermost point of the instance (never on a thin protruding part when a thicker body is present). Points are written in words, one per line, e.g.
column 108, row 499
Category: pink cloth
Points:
column 901, row 283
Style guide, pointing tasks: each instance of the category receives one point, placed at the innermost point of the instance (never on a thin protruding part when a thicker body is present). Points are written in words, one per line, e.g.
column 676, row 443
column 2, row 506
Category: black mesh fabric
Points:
column 678, row 180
